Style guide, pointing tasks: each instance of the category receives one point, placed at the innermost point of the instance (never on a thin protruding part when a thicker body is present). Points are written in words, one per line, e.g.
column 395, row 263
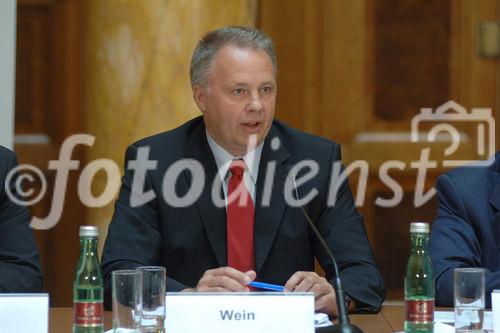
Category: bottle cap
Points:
column 419, row 227
column 88, row 231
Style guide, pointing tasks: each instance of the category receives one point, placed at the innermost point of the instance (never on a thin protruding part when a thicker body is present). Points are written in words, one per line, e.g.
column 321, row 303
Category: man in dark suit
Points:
column 210, row 246
column 19, row 262
column 466, row 232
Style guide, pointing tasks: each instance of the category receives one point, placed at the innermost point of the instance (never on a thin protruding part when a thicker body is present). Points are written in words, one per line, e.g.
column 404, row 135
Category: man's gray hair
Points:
column 213, row 41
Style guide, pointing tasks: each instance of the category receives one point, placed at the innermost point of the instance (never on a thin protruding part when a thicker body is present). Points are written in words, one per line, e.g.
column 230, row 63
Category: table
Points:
column 371, row 323
column 394, row 315
column 391, row 318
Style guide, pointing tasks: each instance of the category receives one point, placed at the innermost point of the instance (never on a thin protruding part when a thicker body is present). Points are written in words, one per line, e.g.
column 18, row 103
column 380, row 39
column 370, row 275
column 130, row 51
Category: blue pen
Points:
column 267, row 286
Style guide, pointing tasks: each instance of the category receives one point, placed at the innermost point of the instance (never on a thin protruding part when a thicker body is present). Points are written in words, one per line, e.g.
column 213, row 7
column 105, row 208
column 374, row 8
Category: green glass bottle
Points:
column 88, row 285
column 419, row 282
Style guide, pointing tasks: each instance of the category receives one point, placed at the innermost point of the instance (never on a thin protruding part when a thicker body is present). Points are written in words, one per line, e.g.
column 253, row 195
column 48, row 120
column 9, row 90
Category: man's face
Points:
column 238, row 98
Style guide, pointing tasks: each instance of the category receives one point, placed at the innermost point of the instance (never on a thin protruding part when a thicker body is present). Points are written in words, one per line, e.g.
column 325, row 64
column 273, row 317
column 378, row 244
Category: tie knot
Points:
column 237, row 167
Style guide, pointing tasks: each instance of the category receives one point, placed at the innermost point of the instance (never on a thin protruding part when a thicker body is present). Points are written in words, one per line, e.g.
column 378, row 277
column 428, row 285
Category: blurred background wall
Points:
column 354, row 71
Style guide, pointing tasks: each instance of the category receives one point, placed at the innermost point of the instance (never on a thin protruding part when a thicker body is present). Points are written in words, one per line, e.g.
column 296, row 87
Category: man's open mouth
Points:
column 251, row 124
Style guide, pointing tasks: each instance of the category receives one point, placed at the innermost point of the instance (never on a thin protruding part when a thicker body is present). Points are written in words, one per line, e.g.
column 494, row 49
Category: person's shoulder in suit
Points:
column 471, row 183
column 169, row 146
column 173, row 137
column 7, row 162
column 4, row 152
column 462, row 234
column 20, row 269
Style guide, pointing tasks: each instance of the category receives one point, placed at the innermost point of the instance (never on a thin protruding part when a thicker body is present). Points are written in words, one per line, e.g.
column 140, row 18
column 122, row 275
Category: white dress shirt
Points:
column 223, row 160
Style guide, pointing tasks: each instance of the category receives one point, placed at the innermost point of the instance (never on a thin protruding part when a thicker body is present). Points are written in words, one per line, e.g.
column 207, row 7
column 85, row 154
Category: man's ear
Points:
column 200, row 97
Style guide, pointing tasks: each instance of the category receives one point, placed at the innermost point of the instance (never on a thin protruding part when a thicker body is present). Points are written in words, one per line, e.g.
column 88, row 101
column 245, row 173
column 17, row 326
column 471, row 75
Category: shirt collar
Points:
column 223, row 158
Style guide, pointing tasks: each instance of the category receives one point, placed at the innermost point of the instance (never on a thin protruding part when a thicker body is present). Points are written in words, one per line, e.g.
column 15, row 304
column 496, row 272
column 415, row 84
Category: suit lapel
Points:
column 213, row 217
column 268, row 216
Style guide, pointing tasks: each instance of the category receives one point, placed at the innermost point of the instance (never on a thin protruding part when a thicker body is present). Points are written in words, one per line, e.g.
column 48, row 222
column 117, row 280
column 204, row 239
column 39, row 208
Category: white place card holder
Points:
column 240, row 312
column 24, row 313
column 495, row 307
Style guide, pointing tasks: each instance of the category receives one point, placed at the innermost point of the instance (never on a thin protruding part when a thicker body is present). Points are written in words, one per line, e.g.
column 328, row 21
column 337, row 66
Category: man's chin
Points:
column 250, row 144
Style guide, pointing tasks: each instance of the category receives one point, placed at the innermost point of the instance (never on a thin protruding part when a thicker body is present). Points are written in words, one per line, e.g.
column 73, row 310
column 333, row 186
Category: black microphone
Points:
column 343, row 325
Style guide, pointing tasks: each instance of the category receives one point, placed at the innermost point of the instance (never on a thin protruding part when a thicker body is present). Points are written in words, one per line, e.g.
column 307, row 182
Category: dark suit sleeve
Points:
column 19, row 261
column 134, row 236
column 453, row 243
column 343, row 229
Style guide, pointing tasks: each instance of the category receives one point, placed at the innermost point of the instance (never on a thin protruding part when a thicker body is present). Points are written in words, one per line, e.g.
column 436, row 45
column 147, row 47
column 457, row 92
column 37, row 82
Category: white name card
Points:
column 240, row 312
column 24, row 313
column 495, row 309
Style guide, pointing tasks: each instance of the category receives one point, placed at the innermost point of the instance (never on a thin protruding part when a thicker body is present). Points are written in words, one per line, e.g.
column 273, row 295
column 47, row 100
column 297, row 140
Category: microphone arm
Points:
column 344, row 325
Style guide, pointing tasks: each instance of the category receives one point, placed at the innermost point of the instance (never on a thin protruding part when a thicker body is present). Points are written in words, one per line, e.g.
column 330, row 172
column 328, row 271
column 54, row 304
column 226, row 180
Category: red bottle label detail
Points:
column 87, row 313
column 420, row 311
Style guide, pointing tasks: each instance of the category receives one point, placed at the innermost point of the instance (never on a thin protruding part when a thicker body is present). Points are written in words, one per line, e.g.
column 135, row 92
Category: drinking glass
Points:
column 153, row 299
column 468, row 292
column 126, row 294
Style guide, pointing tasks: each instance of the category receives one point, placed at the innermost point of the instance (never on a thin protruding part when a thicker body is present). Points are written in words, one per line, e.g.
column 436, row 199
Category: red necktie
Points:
column 240, row 219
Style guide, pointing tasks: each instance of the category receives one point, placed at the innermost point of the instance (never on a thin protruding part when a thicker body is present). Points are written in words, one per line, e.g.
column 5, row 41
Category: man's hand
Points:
column 324, row 294
column 224, row 279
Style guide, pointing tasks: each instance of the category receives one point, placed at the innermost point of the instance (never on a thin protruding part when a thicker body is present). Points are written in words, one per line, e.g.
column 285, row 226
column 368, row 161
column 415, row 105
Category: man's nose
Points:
column 255, row 103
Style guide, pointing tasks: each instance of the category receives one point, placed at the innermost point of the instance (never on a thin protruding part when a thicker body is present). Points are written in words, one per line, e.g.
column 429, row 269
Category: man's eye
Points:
column 266, row 90
column 238, row 92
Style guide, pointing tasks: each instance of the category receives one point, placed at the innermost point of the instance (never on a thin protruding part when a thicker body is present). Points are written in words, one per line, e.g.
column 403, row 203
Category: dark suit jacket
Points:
column 190, row 240
column 19, row 262
column 466, row 232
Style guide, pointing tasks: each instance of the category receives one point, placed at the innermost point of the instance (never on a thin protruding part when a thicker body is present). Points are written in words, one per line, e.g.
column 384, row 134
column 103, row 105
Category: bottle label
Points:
column 420, row 311
column 88, row 313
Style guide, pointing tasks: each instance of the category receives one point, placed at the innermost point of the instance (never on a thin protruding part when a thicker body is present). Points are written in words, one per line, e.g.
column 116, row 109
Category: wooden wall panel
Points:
column 50, row 97
column 474, row 81
column 409, row 33
column 370, row 67
column 33, row 86
column 347, row 78
column 300, row 90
